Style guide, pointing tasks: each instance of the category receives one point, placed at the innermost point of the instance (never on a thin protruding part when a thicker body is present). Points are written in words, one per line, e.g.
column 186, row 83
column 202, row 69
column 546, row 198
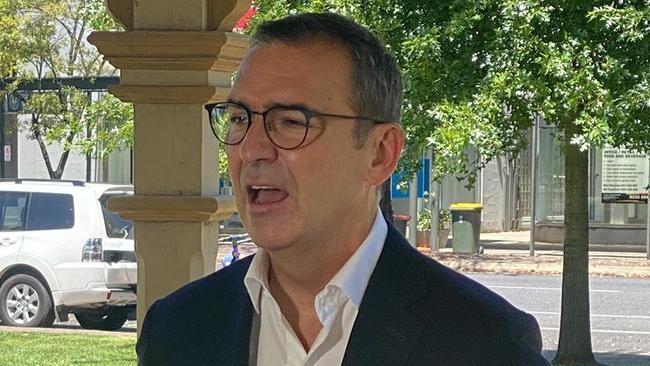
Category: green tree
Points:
column 9, row 36
column 45, row 39
column 112, row 121
column 223, row 165
column 477, row 72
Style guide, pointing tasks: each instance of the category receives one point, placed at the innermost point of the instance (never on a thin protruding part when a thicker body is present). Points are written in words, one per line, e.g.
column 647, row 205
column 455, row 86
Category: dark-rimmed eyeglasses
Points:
column 286, row 127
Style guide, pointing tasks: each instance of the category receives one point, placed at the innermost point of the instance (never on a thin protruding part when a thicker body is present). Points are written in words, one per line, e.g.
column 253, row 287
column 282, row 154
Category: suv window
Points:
column 12, row 210
column 50, row 211
column 116, row 227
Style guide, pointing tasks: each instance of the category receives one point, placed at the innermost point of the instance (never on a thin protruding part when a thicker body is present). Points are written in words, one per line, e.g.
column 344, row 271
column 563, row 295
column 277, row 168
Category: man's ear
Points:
column 386, row 143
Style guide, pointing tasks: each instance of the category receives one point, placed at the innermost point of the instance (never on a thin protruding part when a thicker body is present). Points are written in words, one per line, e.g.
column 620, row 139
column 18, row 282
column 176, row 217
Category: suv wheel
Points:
column 111, row 318
column 25, row 302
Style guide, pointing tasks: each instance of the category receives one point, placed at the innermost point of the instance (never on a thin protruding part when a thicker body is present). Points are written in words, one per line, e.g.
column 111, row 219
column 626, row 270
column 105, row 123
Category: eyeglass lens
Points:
column 285, row 127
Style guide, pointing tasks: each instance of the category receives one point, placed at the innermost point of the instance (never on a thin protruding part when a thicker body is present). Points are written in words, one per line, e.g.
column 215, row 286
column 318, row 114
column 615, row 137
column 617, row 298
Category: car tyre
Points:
column 25, row 302
column 112, row 318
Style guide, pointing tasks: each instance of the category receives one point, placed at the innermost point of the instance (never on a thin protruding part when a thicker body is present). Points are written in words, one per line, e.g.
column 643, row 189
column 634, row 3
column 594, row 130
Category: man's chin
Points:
column 270, row 239
column 275, row 247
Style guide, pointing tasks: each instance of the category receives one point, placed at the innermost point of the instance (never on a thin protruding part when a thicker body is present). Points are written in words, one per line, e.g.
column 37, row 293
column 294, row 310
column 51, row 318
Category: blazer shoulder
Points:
column 442, row 282
column 184, row 326
column 463, row 301
column 226, row 281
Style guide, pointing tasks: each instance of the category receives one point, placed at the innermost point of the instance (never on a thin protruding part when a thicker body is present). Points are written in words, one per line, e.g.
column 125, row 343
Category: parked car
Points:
column 61, row 252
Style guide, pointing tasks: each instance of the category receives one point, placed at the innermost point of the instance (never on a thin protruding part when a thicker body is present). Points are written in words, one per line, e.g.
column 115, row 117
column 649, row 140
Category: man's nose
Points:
column 256, row 145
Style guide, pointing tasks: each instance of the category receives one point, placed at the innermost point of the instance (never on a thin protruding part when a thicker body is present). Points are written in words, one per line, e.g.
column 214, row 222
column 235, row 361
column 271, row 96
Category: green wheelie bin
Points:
column 466, row 227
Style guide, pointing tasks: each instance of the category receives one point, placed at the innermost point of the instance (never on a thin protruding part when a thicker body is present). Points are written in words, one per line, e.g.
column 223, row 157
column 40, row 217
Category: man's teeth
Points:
column 261, row 187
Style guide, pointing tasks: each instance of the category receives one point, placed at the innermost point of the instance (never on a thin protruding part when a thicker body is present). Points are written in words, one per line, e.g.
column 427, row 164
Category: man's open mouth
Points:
column 264, row 195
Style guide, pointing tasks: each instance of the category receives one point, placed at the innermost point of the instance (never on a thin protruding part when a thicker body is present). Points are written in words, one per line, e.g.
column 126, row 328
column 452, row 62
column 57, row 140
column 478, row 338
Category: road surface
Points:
column 620, row 312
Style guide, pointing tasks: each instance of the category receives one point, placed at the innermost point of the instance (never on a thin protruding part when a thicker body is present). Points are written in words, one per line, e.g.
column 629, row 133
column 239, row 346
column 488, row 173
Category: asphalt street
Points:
column 620, row 312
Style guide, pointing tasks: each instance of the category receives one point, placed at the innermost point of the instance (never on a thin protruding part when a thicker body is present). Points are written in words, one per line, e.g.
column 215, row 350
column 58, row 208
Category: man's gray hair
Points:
column 377, row 89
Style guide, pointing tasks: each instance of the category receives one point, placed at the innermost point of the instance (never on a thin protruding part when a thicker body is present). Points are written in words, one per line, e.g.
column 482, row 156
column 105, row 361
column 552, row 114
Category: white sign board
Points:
column 624, row 176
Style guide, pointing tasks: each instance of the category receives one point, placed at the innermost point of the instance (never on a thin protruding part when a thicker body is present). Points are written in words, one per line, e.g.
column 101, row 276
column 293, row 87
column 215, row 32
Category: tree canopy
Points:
column 46, row 39
column 9, row 36
column 476, row 72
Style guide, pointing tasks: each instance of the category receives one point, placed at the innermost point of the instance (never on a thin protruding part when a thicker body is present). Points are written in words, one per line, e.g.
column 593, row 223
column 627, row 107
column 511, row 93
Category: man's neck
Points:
column 296, row 278
column 306, row 269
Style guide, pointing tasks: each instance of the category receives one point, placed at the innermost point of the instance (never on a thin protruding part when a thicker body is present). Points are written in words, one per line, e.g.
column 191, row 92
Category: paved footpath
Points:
column 508, row 252
column 544, row 262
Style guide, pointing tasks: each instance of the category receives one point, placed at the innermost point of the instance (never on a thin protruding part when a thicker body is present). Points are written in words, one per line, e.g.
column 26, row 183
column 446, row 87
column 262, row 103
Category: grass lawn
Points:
column 47, row 349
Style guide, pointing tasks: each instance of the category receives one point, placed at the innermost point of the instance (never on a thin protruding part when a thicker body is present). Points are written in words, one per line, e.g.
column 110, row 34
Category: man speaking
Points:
column 312, row 130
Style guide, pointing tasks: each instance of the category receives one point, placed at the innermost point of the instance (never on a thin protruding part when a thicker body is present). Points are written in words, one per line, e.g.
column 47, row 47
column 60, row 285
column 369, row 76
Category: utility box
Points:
column 466, row 227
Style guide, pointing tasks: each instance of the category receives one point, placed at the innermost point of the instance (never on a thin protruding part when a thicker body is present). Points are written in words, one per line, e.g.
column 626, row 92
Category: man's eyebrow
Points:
column 236, row 101
column 274, row 105
column 292, row 105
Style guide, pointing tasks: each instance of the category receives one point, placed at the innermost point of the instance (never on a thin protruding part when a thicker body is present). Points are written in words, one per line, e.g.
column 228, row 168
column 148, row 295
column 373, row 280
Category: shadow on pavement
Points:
column 611, row 358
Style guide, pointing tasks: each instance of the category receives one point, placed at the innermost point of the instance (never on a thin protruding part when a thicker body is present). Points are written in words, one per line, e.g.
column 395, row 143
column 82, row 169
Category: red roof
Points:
column 243, row 21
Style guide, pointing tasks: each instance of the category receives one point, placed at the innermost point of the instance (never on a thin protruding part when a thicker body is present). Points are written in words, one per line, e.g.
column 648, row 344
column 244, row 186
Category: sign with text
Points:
column 624, row 176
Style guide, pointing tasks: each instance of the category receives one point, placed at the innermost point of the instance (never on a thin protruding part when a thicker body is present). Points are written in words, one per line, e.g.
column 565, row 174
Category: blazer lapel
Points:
column 389, row 324
column 236, row 323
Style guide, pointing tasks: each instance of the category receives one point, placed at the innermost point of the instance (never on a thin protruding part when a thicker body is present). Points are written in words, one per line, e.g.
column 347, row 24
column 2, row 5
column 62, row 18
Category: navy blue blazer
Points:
column 414, row 312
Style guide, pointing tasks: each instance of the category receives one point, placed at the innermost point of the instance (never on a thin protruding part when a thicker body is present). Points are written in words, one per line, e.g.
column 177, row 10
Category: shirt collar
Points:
column 355, row 274
column 257, row 278
column 352, row 279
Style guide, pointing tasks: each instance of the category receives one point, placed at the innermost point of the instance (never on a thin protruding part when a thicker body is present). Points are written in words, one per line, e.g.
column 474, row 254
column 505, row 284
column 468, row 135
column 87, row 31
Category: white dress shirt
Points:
column 336, row 305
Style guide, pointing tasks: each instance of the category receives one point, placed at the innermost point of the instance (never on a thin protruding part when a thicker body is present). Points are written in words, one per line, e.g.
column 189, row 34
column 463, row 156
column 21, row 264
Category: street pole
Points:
column 89, row 156
column 413, row 210
column 2, row 136
column 647, row 226
column 533, row 185
column 433, row 204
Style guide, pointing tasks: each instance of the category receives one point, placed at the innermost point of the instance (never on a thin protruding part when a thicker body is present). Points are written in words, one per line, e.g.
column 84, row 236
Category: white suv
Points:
column 62, row 251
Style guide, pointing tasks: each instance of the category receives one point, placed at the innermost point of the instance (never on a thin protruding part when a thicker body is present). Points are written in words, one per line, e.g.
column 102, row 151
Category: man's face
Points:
column 288, row 197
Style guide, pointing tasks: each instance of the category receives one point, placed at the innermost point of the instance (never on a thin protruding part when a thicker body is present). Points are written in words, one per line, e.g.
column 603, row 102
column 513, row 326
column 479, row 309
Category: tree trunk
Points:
column 63, row 160
column 58, row 173
column 574, row 346
column 43, row 147
column 386, row 203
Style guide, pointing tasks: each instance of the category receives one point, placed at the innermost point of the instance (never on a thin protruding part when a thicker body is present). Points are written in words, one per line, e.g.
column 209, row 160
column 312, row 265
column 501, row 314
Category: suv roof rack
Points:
column 77, row 183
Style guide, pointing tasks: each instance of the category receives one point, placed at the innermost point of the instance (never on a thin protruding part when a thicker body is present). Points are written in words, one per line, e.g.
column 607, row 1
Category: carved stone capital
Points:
column 155, row 94
column 221, row 14
column 173, row 208
column 122, row 12
column 172, row 50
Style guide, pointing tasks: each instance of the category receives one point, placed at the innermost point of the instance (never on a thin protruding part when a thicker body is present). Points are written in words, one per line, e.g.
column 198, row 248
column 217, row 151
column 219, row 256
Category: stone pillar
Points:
column 175, row 56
